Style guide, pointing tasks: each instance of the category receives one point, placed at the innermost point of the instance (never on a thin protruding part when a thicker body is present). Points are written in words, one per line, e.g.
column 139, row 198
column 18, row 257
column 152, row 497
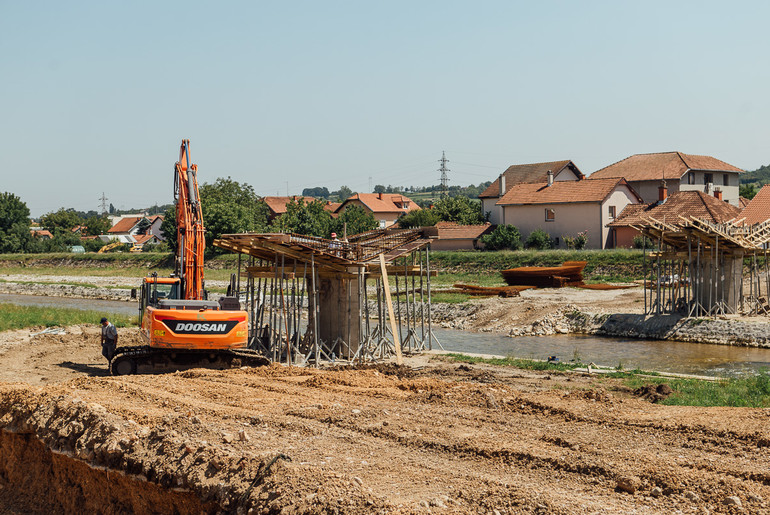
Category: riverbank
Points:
column 537, row 312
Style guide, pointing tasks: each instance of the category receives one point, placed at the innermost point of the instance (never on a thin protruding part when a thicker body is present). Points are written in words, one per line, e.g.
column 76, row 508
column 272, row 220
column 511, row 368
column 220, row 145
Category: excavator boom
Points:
column 182, row 328
column 191, row 235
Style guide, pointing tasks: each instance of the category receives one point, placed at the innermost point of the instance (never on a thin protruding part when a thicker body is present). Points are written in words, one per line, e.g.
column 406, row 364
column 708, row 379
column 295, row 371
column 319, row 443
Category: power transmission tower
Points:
column 103, row 204
column 444, row 179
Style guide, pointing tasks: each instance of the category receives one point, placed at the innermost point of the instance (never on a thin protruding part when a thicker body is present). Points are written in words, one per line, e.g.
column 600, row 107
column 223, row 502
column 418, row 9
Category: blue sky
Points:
column 97, row 96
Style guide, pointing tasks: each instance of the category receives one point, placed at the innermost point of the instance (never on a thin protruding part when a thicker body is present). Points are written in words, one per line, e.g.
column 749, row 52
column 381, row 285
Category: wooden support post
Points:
column 396, row 341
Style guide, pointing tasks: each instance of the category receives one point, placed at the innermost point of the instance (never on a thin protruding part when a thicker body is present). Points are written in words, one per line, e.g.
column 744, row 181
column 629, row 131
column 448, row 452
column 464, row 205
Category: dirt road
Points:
column 433, row 437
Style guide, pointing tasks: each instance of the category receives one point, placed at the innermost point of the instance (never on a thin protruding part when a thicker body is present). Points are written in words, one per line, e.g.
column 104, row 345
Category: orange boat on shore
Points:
column 570, row 273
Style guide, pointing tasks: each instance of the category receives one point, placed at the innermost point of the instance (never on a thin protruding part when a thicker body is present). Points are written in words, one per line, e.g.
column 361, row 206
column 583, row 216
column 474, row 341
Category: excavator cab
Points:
column 156, row 289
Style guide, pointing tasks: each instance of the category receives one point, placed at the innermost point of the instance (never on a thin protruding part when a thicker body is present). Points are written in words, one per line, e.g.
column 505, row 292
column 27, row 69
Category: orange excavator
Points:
column 181, row 328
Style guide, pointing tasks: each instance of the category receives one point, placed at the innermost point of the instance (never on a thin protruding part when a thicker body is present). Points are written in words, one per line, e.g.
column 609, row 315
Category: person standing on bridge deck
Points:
column 109, row 339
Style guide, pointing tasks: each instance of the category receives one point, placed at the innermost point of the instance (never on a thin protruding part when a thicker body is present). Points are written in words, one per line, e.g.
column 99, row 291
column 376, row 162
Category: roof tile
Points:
column 664, row 165
column 695, row 204
column 758, row 209
column 588, row 190
column 383, row 202
column 527, row 173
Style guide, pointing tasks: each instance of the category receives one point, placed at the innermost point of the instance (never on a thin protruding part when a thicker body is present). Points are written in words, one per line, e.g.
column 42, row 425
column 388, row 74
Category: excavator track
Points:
column 144, row 359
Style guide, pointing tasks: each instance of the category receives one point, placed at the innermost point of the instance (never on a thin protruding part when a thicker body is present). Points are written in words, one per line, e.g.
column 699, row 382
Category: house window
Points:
column 725, row 179
column 382, row 224
column 691, row 178
column 612, row 211
column 708, row 178
column 550, row 215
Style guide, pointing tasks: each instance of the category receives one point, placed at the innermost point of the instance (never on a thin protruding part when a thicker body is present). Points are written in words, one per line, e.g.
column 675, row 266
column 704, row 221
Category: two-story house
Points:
column 681, row 172
column 533, row 173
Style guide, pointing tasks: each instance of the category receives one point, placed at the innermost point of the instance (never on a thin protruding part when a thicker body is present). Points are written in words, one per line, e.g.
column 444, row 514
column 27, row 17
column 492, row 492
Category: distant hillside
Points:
column 759, row 177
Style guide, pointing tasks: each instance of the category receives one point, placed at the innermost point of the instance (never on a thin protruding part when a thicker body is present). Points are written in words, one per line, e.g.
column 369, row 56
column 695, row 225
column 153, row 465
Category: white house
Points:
column 534, row 173
column 567, row 208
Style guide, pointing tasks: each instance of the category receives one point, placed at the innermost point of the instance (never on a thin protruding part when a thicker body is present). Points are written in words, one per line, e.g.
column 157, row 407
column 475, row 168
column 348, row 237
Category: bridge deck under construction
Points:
column 312, row 299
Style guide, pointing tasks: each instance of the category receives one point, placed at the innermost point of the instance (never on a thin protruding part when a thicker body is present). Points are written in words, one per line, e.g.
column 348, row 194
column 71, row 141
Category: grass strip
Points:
column 13, row 316
column 528, row 364
column 738, row 392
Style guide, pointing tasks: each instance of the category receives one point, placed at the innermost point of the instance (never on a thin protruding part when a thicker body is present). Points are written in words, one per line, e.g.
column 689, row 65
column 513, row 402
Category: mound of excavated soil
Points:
column 380, row 439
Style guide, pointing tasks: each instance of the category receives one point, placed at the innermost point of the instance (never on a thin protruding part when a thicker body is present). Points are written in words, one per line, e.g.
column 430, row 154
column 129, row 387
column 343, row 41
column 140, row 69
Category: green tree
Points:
column 63, row 219
column 357, row 218
column 317, row 192
column 502, row 237
column 379, row 188
column 539, row 239
column 14, row 224
column 143, row 225
column 747, row 190
column 96, row 225
column 228, row 207
column 309, row 218
column 343, row 193
column 419, row 218
column 168, row 227
column 459, row 209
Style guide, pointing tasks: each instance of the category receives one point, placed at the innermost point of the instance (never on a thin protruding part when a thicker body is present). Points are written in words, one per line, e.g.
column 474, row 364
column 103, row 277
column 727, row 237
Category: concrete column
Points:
column 339, row 315
column 721, row 281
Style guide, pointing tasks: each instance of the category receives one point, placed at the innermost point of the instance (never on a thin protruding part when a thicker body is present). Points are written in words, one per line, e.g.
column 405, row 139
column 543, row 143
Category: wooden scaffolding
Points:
column 699, row 267
column 312, row 299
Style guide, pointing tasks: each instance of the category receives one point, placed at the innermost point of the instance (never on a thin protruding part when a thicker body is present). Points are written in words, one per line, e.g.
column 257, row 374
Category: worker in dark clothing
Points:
column 109, row 339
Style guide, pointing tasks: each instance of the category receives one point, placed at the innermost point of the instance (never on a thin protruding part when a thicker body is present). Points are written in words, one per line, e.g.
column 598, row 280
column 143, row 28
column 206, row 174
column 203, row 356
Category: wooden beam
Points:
column 393, row 327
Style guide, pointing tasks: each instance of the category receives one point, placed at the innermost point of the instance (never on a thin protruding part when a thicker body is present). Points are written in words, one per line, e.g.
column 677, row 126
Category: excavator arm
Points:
column 191, row 239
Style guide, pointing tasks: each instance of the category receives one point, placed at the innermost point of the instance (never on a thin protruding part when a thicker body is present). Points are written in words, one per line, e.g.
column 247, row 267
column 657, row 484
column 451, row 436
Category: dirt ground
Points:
column 497, row 314
column 430, row 437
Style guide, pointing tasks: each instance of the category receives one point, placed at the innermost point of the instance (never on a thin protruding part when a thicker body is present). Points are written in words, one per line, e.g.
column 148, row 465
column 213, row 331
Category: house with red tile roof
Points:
column 386, row 207
column 681, row 172
column 452, row 236
column 566, row 208
column 670, row 209
column 276, row 206
column 126, row 228
column 758, row 208
column 534, row 173
column 43, row 234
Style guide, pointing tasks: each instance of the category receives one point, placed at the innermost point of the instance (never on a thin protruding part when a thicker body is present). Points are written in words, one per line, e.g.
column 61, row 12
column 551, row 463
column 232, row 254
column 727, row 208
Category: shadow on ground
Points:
column 90, row 369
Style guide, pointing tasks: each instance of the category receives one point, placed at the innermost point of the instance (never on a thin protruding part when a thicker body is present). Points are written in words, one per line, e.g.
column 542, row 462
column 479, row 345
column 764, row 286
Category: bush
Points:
column 156, row 247
column 502, row 237
column 540, row 240
column 642, row 242
column 579, row 242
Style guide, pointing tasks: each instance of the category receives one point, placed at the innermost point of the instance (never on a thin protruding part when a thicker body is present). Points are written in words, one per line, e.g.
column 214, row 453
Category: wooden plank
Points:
column 391, row 316
column 267, row 275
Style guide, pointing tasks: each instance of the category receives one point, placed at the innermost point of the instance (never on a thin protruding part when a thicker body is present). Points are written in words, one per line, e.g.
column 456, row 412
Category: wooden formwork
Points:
column 699, row 267
column 311, row 299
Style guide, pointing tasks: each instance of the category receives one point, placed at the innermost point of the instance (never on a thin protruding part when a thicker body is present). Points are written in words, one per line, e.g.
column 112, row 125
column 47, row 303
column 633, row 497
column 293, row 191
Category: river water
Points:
column 665, row 356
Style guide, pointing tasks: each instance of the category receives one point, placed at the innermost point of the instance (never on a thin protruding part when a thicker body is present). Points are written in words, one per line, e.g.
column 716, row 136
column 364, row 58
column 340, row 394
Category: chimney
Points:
column 502, row 185
column 379, row 195
column 718, row 193
column 662, row 191
column 550, row 178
